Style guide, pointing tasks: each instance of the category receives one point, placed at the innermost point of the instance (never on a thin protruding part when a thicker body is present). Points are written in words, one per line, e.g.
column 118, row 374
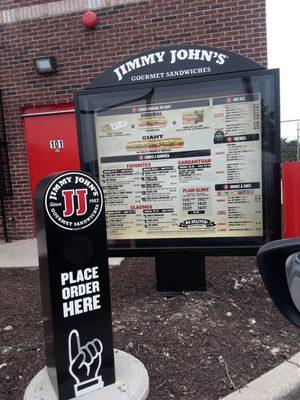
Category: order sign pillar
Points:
column 71, row 235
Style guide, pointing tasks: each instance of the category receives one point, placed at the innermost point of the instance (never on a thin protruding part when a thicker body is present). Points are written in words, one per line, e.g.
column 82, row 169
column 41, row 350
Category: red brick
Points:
column 236, row 25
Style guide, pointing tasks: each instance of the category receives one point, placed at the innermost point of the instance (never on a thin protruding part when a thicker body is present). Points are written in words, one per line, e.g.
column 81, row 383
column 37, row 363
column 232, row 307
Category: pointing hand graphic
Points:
column 85, row 362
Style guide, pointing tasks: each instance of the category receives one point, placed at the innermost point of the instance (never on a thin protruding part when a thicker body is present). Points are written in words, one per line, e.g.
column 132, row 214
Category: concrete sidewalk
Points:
column 23, row 253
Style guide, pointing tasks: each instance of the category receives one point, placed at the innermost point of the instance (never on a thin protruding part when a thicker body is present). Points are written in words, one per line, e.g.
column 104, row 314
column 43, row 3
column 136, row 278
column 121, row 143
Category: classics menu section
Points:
column 184, row 169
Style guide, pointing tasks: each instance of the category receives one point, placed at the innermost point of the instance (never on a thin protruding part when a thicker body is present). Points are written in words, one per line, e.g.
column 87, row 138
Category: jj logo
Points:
column 74, row 200
column 69, row 207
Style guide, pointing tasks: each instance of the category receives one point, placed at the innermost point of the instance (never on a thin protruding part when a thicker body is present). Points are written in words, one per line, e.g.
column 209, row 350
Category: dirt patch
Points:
column 199, row 346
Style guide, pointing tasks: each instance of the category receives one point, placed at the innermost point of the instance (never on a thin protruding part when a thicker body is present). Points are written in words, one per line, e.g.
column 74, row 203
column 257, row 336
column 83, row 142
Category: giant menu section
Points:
column 182, row 169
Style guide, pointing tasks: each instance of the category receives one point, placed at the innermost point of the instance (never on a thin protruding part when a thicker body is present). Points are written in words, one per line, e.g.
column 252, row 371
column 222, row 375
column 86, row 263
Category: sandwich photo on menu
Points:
column 194, row 117
column 154, row 144
column 152, row 120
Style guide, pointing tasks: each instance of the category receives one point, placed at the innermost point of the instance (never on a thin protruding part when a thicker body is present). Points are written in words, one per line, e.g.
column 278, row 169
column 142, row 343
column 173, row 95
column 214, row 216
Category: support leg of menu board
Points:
column 180, row 272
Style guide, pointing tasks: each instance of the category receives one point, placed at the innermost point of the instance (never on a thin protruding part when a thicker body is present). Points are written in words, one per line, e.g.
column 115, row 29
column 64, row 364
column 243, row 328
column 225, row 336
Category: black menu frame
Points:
column 271, row 194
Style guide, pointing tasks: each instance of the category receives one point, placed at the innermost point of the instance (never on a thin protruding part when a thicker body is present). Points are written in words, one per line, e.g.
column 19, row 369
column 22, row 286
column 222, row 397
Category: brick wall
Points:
column 125, row 29
column 6, row 4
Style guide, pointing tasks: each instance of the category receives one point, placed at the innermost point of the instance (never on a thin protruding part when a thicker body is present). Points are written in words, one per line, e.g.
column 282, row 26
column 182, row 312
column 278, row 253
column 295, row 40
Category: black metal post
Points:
column 180, row 272
column 5, row 233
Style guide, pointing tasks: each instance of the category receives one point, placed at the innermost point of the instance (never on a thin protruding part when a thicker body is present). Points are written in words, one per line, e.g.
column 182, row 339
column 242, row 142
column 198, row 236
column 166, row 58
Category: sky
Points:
column 283, row 30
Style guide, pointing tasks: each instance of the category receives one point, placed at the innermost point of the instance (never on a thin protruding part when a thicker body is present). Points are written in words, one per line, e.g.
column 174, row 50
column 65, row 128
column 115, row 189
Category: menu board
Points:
column 182, row 169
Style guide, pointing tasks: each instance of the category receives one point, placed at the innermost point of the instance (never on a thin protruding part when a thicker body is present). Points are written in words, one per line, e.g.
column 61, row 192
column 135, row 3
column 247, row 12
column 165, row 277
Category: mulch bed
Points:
column 198, row 346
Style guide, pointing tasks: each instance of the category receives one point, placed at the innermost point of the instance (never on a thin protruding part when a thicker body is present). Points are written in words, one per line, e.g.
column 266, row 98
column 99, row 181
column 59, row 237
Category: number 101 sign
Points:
column 56, row 144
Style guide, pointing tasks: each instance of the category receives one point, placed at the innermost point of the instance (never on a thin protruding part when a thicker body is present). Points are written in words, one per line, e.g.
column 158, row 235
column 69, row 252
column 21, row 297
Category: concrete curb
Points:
column 281, row 383
column 132, row 382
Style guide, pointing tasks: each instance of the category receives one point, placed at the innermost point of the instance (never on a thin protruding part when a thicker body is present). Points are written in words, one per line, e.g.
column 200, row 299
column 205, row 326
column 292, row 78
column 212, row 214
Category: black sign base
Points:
column 180, row 273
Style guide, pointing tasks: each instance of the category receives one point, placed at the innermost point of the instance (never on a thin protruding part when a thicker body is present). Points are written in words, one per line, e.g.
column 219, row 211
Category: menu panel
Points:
column 186, row 169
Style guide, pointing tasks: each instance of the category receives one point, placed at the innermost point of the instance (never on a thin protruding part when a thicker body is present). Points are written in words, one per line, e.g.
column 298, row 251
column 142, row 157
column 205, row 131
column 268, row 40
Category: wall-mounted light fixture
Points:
column 45, row 65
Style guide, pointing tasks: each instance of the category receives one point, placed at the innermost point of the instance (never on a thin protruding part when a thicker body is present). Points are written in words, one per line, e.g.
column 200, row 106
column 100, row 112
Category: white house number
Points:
column 56, row 144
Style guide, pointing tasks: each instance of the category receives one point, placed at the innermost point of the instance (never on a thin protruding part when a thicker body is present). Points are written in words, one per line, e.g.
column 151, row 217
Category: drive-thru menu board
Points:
column 182, row 169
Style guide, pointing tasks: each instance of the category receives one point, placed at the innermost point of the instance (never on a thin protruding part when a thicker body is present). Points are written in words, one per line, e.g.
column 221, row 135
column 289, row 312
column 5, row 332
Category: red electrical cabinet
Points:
column 51, row 141
column 291, row 194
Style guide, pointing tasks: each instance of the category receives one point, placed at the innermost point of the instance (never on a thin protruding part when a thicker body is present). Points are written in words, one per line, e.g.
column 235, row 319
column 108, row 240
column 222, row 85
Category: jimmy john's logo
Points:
column 73, row 200
column 197, row 222
column 172, row 57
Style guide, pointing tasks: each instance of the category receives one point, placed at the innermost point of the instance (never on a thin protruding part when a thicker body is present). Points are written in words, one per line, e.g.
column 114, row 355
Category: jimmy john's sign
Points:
column 173, row 63
column 173, row 56
column 178, row 139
